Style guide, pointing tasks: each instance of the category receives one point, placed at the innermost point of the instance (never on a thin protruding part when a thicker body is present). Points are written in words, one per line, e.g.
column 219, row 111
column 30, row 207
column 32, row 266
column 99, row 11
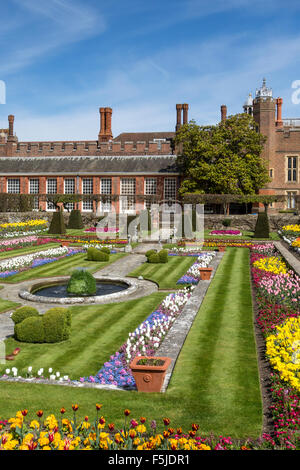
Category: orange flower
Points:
column 98, row 406
column 126, row 412
column 111, row 426
column 166, row 421
column 195, row 427
column 62, row 410
column 24, row 412
column 142, row 419
column 40, row 413
column 75, row 407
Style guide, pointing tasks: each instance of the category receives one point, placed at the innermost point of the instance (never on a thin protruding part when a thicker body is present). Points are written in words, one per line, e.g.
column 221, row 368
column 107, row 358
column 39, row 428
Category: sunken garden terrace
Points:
column 212, row 318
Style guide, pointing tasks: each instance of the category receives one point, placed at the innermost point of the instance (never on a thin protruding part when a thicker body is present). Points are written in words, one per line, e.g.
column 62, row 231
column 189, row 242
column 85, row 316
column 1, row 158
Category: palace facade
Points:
column 139, row 165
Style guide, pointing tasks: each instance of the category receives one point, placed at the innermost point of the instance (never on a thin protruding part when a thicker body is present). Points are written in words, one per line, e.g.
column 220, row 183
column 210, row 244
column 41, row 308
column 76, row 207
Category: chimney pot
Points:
column 223, row 112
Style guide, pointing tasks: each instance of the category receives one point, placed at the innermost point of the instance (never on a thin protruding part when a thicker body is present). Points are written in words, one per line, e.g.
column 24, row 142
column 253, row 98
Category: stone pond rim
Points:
column 29, row 293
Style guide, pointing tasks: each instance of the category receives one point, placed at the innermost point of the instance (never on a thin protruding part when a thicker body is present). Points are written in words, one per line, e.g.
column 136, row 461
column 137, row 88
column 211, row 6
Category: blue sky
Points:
column 63, row 59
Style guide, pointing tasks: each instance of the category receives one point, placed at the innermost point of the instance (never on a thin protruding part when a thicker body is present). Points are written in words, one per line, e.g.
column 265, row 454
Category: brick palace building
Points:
column 138, row 164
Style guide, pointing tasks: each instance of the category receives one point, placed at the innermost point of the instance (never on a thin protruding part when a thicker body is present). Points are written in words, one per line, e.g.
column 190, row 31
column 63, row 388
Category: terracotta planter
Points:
column 149, row 378
column 65, row 243
column 222, row 248
column 205, row 273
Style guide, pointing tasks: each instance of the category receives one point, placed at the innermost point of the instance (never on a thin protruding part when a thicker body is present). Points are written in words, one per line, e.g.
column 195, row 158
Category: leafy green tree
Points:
column 223, row 158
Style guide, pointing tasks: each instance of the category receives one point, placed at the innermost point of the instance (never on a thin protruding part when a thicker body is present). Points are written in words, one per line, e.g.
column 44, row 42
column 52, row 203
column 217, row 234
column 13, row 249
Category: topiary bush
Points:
column 226, row 222
column 93, row 254
column 154, row 258
column 163, row 256
column 150, row 253
column 57, row 225
column 75, row 219
column 262, row 229
column 30, row 330
column 57, row 325
column 81, row 282
column 105, row 249
column 23, row 312
column 52, row 327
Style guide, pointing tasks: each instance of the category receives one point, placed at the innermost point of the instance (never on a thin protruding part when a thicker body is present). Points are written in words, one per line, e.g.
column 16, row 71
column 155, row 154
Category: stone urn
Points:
column 205, row 273
column 149, row 372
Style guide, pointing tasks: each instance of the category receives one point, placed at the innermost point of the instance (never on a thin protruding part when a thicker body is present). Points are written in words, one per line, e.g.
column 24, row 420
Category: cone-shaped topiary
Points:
column 57, row 225
column 75, row 219
column 82, row 282
column 262, row 226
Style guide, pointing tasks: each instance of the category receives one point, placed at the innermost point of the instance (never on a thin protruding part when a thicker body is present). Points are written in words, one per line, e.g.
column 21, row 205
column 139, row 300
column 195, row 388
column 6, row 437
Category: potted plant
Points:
column 222, row 248
column 149, row 372
column 205, row 273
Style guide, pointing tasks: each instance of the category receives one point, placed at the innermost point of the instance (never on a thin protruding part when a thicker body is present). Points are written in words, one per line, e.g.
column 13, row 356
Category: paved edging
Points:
column 289, row 257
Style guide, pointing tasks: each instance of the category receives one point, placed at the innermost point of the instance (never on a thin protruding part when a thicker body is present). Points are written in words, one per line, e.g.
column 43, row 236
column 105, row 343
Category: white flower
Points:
column 52, row 377
column 29, row 369
column 57, row 374
column 50, row 370
column 7, row 371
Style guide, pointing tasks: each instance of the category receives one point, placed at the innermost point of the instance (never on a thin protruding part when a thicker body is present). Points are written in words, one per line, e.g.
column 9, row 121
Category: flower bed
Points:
column 225, row 232
column 192, row 276
column 70, row 433
column 102, row 229
column 291, row 235
column 16, row 243
column 15, row 265
column 278, row 299
column 22, row 228
column 144, row 341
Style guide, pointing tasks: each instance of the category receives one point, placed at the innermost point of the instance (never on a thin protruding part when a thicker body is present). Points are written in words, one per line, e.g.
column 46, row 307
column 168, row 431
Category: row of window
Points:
column 128, row 189
column 291, row 170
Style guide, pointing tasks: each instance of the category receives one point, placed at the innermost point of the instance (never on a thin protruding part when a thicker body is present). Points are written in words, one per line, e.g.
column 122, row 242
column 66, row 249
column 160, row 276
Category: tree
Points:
column 223, row 158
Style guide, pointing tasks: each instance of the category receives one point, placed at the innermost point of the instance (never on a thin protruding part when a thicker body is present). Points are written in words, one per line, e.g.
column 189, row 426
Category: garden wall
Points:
column 211, row 221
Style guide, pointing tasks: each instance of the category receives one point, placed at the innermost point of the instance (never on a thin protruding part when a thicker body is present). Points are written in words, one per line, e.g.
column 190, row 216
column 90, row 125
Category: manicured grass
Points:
column 215, row 381
column 97, row 332
column 165, row 274
column 63, row 267
column 27, row 250
column 7, row 305
column 220, row 351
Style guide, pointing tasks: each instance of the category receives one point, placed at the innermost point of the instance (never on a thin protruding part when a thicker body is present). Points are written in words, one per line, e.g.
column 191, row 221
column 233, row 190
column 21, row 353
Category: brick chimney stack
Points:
column 279, row 122
column 105, row 133
column 178, row 110
column 185, row 108
column 108, row 131
column 223, row 112
column 11, row 119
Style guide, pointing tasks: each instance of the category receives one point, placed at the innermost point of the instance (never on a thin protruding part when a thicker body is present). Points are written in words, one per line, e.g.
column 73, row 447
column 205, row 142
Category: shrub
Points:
column 75, row 220
column 262, row 226
column 93, row 254
column 57, row 325
column 226, row 222
column 163, row 256
column 57, row 225
column 105, row 249
column 150, row 253
column 154, row 258
column 30, row 330
column 100, row 255
column 23, row 312
column 81, row 282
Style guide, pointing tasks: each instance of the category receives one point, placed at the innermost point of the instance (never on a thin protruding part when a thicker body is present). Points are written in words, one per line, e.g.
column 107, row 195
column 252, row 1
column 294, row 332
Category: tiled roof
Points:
column 143, row 136
column 153, row 164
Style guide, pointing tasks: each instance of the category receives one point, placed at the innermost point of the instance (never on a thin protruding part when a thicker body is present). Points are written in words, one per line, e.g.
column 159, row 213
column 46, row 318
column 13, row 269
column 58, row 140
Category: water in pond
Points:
column 60, row 290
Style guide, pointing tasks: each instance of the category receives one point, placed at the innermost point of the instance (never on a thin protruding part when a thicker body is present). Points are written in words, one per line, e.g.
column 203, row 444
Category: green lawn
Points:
column 63, row 267
column 215, row 381
column 97, row 332
column 165, row 274
column 7, row 305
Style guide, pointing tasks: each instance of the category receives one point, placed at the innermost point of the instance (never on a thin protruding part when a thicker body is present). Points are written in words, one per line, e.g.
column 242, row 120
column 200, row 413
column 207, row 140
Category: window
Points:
column 87, row 188
column 106, row 189
column 159, row 141
column 69, row 188
column 13, row 185
column 271, row 172
column 34, row 188
column 169, row 194
column 291, row 199
column 51, row 189
column 292, row 169
column 150, row 190
column 128, row 188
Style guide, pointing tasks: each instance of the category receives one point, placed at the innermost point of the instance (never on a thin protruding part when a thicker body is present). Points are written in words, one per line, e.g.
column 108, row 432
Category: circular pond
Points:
column 59, row 291
column 55, row 291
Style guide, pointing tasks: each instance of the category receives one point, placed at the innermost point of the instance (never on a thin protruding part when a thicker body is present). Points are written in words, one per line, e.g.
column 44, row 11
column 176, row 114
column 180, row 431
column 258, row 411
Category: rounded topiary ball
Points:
column 23, row 312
